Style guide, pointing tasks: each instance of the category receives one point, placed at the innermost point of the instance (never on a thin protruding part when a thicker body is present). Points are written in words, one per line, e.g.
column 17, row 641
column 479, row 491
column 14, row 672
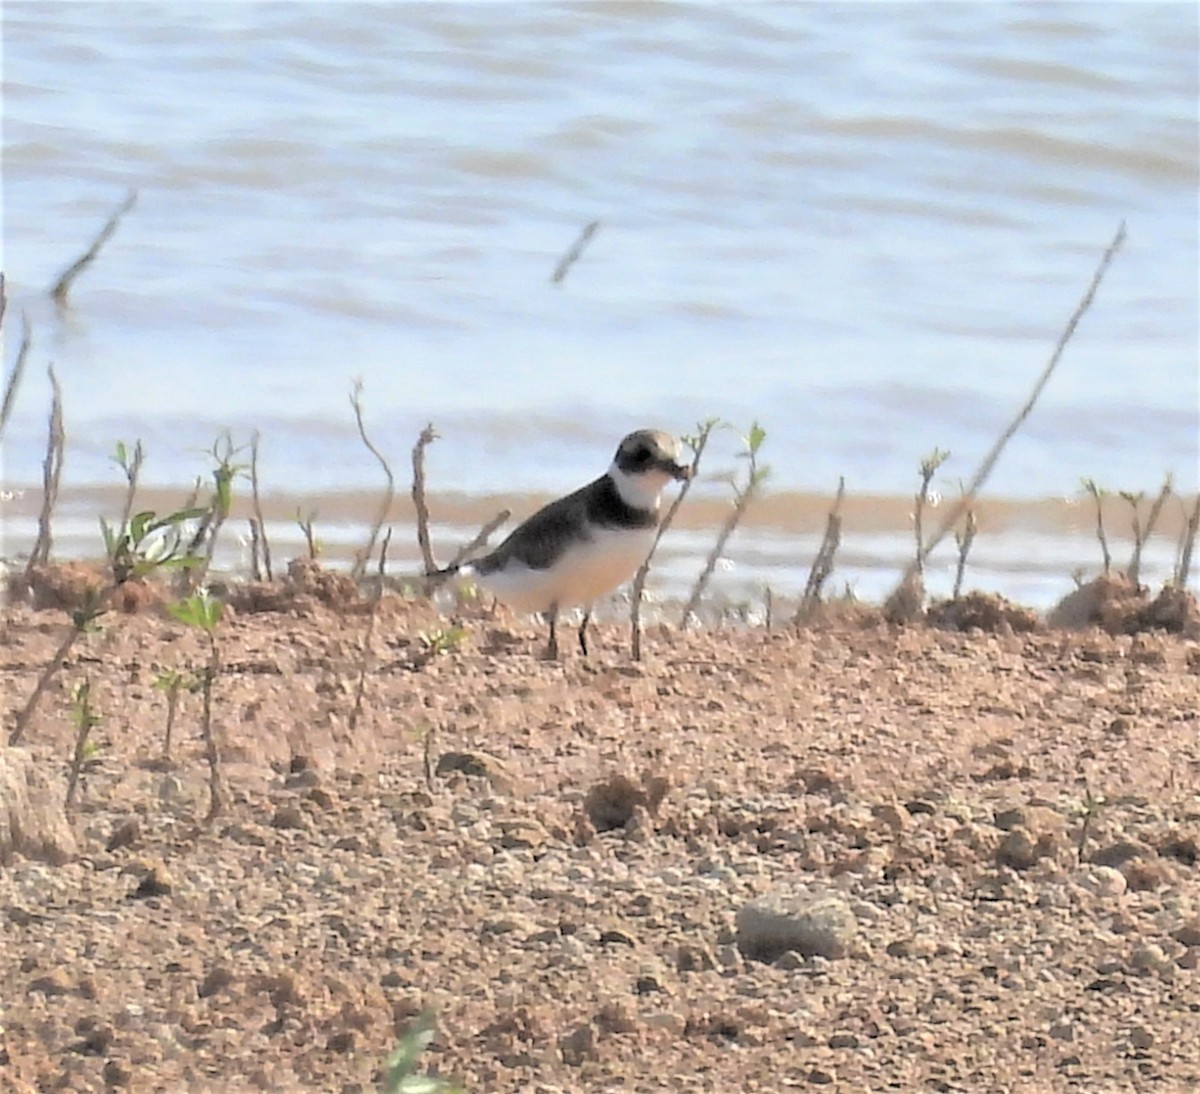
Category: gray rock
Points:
column 32, row 820
column 807, row 922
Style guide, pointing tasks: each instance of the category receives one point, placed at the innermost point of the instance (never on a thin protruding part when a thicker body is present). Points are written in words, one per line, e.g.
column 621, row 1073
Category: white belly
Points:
column 587, row 570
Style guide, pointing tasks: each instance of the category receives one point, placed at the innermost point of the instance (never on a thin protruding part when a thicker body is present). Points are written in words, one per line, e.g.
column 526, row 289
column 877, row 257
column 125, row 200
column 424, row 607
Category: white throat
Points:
column 642, row 491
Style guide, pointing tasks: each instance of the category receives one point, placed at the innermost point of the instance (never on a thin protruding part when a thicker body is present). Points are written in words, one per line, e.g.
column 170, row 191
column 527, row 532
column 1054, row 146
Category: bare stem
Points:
column 264, row 545
column 573, row 253
column 929, row 466
column 1183, row 571
column 361, row 558
column 132, row 470
column 822, row 565
column 86, row 719
column 216, row 790
column 81, row 621
column 306, row 527
column 984, row 470
column 426, row 438
column 742, row 498
column 364, row 650
column 1140, row 534
column 1098, row 497
column 13, row 383
column 480, row 540
column 172, row 710
column 698, row 445
column 63, row 285
column 51, row 474
column 964, row 540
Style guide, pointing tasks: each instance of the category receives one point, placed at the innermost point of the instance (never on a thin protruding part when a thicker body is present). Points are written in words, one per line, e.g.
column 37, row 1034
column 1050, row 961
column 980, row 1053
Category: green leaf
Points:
column 755, row 438
column 200, row 610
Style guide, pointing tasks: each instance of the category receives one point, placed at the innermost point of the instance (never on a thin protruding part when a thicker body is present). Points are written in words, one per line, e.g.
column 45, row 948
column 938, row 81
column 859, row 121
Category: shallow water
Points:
column 864, row 226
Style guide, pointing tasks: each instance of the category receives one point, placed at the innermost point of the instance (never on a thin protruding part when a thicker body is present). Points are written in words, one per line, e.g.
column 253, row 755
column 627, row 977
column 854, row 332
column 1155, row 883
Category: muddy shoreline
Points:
column 557, row 859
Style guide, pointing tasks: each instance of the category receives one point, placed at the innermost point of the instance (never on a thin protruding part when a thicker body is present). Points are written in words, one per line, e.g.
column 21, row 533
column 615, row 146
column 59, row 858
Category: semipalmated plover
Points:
column 586, row 544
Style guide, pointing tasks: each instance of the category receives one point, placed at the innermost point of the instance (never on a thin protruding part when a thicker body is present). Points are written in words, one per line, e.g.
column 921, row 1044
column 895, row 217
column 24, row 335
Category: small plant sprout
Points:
column 697, row 442
column 172, row 683
column 441, row 640
column 146, row 544
column 130, row 463
column 929, row 468
column 203, row 611
column 400, row 1074
column 756, row 475
column 307, row 525
column 1098, row 495
column 1142, row 533
column 963, row 541
column 822, row 565
column 86, row 718
column 219, row 506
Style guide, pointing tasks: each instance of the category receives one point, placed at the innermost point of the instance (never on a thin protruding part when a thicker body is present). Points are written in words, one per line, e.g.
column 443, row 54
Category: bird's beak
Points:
column 680, row 471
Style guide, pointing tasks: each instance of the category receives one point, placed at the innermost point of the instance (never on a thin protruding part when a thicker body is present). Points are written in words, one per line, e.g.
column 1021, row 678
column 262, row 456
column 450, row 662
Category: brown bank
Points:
column 859, row 857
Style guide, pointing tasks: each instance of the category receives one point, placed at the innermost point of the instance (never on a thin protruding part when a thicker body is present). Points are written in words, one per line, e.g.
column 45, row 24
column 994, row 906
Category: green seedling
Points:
column 172, row 683
column 202, row 611
column 138, row 547
column 442, row 640
column 217, row 511
column 86, row 718
column 743, row 494
column 400, row 1071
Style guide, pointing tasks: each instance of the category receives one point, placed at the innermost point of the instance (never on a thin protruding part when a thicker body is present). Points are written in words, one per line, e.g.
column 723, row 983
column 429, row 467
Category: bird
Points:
column 587, row 543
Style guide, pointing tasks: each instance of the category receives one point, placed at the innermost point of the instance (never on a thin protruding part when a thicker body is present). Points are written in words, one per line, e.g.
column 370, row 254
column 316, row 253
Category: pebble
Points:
column 1102, row 881
column 812, row 923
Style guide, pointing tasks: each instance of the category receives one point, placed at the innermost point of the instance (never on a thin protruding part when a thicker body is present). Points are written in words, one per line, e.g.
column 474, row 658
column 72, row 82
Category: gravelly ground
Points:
column 931, row 788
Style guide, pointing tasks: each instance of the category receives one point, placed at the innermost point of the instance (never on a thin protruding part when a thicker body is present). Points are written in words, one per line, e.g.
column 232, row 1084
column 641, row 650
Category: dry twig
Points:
column 698, row 443
column 426, row 438
column 63, row 285
column 361, row 558
column 1184, row 569
column 1098, row 497
column 364, row 650
column 13, row 382
column 51, row 475
column 742, row 497
column 989, row 461
column 822, row 565
column 573, row 253
column 1140, row 534
column 261, row 543
column 964, row 540
column 480, row 540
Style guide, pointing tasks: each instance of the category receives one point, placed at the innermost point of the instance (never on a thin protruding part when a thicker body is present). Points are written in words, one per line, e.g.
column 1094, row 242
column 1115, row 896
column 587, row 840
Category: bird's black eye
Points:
column 642, row 457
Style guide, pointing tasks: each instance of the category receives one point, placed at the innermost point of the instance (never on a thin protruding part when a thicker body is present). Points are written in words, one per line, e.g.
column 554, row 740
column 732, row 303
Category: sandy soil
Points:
column 984, row 847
